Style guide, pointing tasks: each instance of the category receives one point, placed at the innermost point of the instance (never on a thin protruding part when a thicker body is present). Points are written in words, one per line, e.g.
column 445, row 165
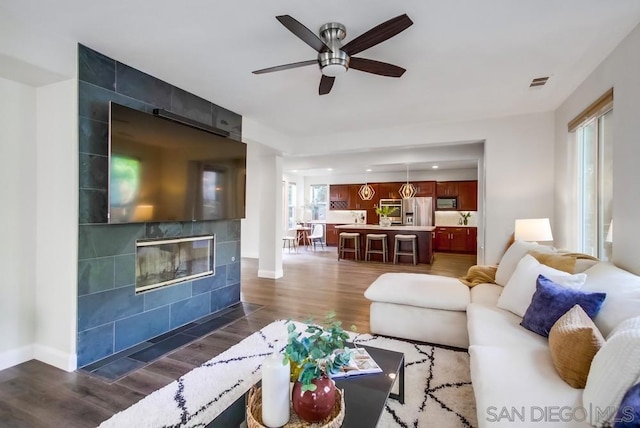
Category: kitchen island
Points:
column 423, row 233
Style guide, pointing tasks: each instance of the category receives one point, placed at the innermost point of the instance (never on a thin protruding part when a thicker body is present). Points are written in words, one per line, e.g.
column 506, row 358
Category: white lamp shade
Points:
column 533, row 229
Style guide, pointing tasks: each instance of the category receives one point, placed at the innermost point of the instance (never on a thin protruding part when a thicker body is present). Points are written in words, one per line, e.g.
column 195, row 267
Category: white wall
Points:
column 619, row 70
column 17, row 222
column 57, row 224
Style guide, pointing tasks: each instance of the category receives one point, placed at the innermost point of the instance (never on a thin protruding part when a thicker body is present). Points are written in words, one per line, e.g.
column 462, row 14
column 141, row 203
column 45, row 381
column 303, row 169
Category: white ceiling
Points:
column 465, row 59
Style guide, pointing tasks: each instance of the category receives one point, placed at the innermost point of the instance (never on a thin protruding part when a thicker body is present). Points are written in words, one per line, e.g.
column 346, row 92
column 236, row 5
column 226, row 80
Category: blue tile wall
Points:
column 111, row 317
column 138, row 328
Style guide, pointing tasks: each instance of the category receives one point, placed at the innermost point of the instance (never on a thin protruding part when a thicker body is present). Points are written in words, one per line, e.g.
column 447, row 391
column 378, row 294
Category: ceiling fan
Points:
column 335, row 59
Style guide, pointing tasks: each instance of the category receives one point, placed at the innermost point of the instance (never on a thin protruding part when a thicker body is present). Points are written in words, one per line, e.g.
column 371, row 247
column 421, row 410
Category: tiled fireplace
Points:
column 113, row 315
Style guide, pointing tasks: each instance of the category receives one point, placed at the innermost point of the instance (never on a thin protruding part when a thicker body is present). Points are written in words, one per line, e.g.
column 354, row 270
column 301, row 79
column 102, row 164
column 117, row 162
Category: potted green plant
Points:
column 313, row 359
column 464, row 217
column 384, row 212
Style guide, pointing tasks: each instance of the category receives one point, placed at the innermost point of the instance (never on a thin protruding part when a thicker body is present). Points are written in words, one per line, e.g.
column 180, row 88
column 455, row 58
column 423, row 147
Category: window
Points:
column 594, row 149
column 319, row 201
column 291, row 205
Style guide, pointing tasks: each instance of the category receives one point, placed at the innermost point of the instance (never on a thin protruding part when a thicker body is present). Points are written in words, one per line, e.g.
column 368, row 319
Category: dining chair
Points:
column 317, row 235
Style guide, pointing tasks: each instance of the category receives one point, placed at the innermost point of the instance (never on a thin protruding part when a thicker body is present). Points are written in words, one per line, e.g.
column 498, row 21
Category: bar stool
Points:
column 414, row 248
column 382, row 237
column 342, row 248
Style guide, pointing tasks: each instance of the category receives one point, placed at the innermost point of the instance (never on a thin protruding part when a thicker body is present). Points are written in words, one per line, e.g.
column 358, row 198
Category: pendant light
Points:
column 407, row 190
column 366, row 192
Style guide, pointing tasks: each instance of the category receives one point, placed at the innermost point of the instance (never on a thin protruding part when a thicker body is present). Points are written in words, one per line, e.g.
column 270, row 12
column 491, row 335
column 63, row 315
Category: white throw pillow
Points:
column 517, row 293
column 614, row 369
column 513, row 255
column 623, row 295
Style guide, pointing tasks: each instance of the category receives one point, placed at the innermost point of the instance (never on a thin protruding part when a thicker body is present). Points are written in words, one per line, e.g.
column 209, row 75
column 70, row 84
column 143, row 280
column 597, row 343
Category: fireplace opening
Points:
column 164, row 262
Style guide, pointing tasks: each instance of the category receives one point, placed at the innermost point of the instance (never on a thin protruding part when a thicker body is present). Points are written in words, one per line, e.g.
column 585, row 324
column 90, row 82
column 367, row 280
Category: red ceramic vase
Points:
column 314, row 406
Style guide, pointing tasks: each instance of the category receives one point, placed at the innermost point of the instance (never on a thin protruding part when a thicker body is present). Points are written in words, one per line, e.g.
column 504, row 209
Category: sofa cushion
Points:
column 550, row 301
column 512, row 256
column 515, row 387
column 623, row 294
column 418, row 289
column 486, row 294
column 489, row 325
column 573, row 341
column 628, row 415
column 518, row 292
column 614, row 369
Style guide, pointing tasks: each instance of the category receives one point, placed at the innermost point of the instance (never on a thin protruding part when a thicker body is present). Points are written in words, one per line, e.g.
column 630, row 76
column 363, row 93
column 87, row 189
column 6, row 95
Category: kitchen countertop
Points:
column 393, row 227
column 455, row 225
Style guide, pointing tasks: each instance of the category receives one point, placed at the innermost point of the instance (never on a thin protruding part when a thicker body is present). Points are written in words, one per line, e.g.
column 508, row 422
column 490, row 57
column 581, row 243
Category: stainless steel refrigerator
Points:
column 417, row 211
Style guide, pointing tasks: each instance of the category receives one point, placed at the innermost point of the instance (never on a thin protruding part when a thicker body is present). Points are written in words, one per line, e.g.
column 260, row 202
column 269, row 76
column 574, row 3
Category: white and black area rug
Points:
column 438, row 389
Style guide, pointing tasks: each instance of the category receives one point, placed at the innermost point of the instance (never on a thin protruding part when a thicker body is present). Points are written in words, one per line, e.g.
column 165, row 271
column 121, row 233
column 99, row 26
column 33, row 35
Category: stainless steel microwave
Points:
column 446, row 203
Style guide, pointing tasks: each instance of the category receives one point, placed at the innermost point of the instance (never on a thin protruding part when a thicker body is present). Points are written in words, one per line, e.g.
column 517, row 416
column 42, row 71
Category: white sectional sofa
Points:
column 513, row 374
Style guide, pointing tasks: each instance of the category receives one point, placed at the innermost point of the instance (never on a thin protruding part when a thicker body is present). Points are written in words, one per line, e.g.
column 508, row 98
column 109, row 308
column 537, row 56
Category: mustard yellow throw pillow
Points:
column 574, row 340
column 563, row 262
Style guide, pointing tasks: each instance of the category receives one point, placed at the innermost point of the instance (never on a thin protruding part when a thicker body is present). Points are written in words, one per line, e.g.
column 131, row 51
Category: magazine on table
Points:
column 360, row 363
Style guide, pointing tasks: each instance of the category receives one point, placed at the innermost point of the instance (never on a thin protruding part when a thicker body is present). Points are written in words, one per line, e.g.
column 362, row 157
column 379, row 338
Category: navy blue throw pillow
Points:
column 550, row 301
column 629, row 411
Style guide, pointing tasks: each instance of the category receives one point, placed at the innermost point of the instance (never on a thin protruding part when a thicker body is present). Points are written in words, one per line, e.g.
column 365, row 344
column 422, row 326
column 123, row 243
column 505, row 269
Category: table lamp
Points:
column 533, row 229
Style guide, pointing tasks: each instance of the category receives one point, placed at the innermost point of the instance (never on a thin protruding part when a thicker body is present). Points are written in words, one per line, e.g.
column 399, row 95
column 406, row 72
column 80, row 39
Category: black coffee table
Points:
column 364, row 395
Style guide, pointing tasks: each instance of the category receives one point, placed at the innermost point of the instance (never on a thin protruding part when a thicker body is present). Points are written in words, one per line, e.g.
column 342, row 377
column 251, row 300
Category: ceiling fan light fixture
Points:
column 333, row 70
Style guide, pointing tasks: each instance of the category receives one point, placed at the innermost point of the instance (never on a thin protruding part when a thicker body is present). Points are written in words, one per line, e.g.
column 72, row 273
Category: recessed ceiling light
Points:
column 369, row 170
column 329, row 169
column 435, row 166
column 294, row 170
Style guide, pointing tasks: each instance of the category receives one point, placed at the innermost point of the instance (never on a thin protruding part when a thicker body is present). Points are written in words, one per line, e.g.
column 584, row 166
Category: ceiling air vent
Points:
column 538, row 81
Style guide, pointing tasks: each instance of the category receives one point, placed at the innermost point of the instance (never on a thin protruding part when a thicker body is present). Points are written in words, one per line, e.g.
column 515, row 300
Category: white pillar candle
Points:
column 275, row 391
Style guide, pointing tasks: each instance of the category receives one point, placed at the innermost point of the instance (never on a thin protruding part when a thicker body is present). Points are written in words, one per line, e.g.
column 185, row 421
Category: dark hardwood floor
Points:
column 34, row 394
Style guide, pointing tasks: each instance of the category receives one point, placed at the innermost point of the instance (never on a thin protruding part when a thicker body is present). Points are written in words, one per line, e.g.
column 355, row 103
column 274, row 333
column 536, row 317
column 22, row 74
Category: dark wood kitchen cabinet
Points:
column 331, row 235
column 447, row 189
column 357, row 203
column 468, row 196
column 389, row 190
column 455, row 239
column 339, row 197
column 425, row 188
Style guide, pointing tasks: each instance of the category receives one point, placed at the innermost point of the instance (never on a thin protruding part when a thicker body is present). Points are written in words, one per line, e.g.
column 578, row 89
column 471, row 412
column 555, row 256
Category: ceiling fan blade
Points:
column 378, row 34
column 376, row 67
column 286, row 66
column 326, row 83
column 303, row 33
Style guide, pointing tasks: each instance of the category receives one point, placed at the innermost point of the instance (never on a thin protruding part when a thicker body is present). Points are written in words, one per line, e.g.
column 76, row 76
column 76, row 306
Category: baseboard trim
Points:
column 250, row 255
column 270, row 274
column 16, row 356
column 55, row 357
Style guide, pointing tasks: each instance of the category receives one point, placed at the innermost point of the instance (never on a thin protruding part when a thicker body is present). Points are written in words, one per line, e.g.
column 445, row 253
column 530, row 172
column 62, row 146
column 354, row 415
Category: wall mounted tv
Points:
column 162, row 171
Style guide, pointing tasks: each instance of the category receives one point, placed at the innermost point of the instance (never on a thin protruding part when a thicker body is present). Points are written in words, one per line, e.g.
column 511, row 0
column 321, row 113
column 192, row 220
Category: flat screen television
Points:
column 163, row 171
